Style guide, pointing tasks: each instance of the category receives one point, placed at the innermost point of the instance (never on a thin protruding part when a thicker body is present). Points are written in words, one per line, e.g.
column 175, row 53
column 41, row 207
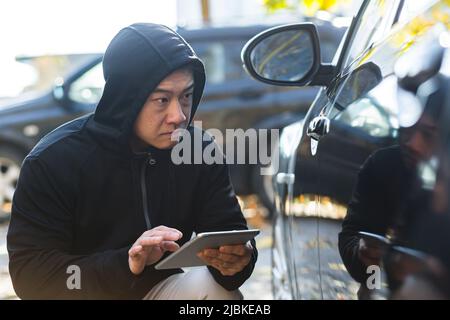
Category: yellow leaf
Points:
column 312, row 6
column 274, row 5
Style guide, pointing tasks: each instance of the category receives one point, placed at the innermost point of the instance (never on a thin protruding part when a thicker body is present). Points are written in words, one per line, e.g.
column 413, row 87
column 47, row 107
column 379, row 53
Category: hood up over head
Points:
column 138, row 58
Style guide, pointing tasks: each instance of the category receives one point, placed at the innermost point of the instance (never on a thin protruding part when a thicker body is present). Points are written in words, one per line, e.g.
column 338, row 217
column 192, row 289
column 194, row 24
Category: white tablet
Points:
column 186, row 256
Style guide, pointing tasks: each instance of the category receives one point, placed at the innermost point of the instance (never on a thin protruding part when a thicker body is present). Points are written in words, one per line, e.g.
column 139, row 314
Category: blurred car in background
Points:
column 231, row 100
column 354, row 114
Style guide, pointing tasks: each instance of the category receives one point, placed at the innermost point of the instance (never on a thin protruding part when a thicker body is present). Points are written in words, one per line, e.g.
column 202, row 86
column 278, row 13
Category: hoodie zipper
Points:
column 149, row 160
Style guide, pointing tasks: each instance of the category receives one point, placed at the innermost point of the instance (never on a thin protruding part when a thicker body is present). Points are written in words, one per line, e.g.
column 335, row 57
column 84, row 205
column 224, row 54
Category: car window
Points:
column 413, row 7
column 88, row 88
column 221, row 59
column 373, row 87
column 235, row 70
column 374, row 114
column 213, row 56
column 374, row 24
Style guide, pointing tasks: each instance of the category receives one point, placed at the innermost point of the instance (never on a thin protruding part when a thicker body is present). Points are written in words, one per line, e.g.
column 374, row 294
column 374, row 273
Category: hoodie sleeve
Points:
column 220, row 211
column 366, row 212
column 39, row 243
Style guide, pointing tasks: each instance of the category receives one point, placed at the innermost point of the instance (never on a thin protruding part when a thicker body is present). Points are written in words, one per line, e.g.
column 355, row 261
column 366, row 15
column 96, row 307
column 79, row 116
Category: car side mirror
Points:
column 287, row 56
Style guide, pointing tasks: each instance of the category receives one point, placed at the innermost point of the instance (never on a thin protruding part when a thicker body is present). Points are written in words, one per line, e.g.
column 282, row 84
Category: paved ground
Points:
column 6, row 289
column 259, row 286
column 256, row 288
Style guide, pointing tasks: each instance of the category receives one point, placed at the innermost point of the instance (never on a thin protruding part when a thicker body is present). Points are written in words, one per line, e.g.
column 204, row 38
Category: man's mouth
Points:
column 172, row 135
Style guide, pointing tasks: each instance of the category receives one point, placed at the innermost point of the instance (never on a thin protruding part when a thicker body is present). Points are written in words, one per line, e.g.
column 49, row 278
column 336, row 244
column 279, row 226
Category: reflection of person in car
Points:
column 430, row 230
column 428, row 234
column 99, row 199
column 384, row 187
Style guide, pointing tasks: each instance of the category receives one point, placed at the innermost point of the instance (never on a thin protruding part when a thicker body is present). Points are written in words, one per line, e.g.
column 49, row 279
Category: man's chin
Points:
column 166, row 145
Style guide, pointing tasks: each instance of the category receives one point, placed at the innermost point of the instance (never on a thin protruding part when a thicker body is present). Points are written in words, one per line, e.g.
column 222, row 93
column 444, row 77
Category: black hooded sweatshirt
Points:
column 84, row 197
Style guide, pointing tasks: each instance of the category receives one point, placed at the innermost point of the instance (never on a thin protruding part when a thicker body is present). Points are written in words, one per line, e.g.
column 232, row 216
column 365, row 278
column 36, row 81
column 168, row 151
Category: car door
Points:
column 363, row 119
column 305, row 197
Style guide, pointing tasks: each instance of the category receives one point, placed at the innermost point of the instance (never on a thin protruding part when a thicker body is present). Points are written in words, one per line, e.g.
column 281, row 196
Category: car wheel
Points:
column 10, row 161
column 281, row 286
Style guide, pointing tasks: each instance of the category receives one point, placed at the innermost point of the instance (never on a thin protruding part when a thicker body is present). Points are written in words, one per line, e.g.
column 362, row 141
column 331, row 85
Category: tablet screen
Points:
column 186, row 256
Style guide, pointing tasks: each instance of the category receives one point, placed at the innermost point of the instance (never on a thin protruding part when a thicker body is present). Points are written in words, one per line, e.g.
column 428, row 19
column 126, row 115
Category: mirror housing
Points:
column 285, row 50
column 58, row 93
column 358, row 83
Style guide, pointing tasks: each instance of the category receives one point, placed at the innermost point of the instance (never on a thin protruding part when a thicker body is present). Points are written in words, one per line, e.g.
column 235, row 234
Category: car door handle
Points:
column 318, row 128
column 285, row 181
column 286, row 178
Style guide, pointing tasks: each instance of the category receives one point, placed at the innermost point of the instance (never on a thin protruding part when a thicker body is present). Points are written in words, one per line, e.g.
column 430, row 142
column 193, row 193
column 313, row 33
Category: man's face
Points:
column 419, row 141
column 167, row 108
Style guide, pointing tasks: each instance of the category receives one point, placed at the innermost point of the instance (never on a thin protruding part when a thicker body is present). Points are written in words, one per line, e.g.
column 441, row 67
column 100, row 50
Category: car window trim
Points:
column 399, row 11
column 349, row 40
column 356, row 21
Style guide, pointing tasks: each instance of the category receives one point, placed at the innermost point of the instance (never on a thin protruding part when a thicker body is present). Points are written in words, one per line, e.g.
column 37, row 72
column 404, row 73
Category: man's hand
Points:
column 229, row 260
column 151, row 246
column 369, row 253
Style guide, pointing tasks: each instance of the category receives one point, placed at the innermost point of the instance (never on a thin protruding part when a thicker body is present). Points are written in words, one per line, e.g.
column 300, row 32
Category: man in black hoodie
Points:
column 100, row 195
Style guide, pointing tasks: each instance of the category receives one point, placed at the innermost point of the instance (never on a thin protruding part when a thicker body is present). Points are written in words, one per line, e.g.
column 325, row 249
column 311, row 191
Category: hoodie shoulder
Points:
column 63, row 142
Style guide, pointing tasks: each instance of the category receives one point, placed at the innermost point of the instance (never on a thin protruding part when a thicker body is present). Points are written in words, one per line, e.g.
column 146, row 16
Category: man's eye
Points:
column 162, row 100
column 186, row 97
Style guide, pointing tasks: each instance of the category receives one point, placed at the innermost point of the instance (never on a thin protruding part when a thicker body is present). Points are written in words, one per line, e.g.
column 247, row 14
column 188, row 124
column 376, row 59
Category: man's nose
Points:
column 176, row 115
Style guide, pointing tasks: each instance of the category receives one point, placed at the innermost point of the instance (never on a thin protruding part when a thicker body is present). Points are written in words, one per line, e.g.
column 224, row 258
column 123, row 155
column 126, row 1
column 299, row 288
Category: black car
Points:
column 353, row 116
column 231, row 100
